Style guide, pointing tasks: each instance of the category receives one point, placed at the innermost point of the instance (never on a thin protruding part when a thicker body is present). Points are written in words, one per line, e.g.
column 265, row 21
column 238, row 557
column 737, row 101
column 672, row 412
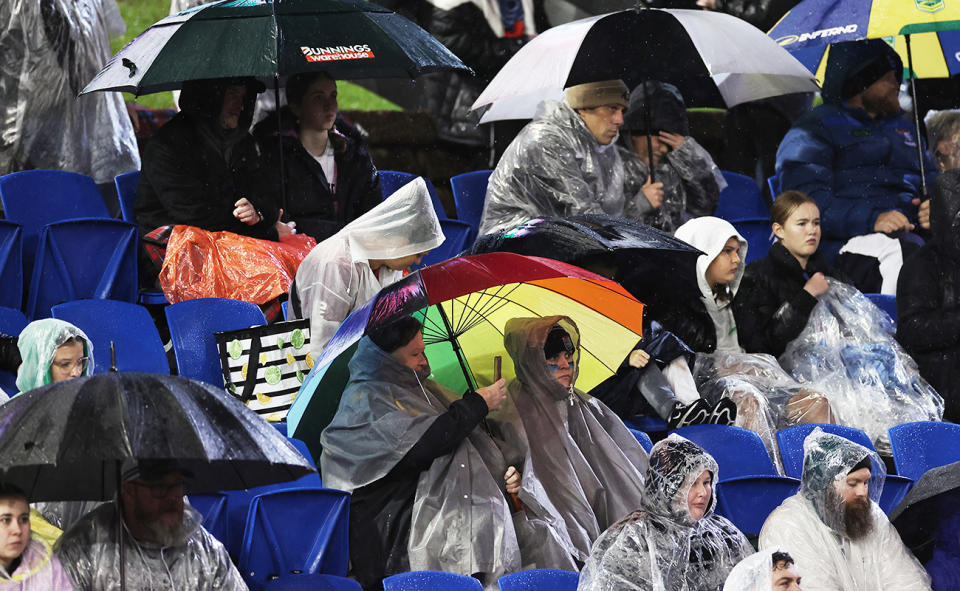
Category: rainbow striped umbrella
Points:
column 464, row 304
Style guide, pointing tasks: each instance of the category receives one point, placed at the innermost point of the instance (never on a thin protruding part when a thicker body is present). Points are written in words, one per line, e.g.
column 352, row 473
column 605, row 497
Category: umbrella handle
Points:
column 516, row 502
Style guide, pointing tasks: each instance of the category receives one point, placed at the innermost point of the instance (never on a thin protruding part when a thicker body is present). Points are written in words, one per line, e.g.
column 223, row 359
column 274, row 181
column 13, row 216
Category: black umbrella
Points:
column 68, row 440
column 646, row 259
column 933, row 499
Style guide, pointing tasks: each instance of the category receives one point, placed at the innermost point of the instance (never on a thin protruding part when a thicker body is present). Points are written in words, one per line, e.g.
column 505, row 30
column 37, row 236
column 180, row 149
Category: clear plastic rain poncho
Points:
column 38, row 570
column 660, row 547
column 582, row 469
column 38, row 343
column 691, row 180
column 767, row 398
column 554, row 167
column 753, row 573
column 91, row 556
column 812, row 525
column 51, row 49
column 849, row 344
column 336, row 278
column 461, row 521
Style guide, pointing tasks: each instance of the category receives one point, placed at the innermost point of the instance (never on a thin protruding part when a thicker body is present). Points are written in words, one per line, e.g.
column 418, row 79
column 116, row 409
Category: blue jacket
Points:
column 856, row 167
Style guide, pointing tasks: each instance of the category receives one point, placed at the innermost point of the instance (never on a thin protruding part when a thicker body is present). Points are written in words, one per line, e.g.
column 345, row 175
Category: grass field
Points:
column 140, row 14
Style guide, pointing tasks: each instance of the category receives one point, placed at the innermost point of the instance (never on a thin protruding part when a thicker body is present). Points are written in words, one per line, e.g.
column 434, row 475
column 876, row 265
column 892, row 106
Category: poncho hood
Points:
column 675, row 463
column 710, row 234
column 524, row 338
column 38, row 344
column 827, row 459
column 850, row 58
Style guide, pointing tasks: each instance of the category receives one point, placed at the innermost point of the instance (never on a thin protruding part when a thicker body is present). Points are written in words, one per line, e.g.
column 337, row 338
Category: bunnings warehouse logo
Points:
column 340, row 52
column 930, row 6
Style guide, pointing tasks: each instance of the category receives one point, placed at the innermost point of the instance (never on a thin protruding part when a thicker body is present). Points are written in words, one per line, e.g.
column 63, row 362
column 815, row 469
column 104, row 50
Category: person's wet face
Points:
column 68, row 361
column 723, row 268
column 800, row 234
column 561, row 367
column 413, row 355
column 698, row 497
column 317, row 110
column 659, row 148
column 603, row 122
column 855, row 495
column 14, row 528
column 947, row 153
column 232, row 106
column 881, row 99
column 785, row 577
column 153, row 509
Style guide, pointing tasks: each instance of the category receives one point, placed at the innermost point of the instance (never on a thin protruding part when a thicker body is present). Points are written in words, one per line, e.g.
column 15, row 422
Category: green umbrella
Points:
column 269, row 39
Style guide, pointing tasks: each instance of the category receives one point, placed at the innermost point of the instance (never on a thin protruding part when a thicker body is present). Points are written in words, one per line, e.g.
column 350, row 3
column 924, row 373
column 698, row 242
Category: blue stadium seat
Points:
column 35, row 198
column 126, row 184
column 741, row 199
column 918, row 447
column 131, row 329
column 886, row 302
column 773, row 183
column 83, row 259
column 12, row 322
column 790, row 442
column 642, row 438
column 469, row 194
column 430, row 580
column 647, row 424
column 312, row 582
column 192, row 327
column 540, row 579
column 11, row 265
column 391, row 180
column 213, row 508
column 455, row 240
column 749, row 487
column 285, row 306
column 295, row 531
column 759, row 236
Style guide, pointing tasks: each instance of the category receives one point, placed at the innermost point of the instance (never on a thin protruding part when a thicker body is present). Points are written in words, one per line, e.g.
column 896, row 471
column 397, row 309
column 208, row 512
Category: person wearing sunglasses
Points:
column 51, row 351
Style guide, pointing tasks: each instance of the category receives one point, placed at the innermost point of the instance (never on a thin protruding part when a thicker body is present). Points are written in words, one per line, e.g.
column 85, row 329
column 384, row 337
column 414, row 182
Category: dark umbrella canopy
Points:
column 644, row 256
column 934, row 499
column 264, row 39
column 67, row 441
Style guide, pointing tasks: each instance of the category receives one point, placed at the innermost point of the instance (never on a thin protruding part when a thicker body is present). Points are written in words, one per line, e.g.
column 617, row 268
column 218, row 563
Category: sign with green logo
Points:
column 930, row 6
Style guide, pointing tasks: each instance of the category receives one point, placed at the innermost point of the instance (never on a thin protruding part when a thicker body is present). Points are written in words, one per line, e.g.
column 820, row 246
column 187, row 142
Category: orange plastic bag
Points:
column 202, row 264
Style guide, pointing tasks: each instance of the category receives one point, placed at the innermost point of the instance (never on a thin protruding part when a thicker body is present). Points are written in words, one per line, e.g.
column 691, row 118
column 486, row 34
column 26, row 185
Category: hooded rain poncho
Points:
column 39, row 570
column 660, row 547
column 582, row 469
column 91, row 556
column 460, row 518
column 849, row 345
column 554, row 167
column 753, row 573
column 51, row 49
column 38, row 343
column 810, row 525
column 336, row 278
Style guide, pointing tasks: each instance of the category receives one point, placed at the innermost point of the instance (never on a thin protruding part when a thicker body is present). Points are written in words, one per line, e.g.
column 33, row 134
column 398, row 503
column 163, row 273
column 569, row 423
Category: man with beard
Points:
column 429, row 486
column 839, row 537
column 164, row 544
column 857, row 156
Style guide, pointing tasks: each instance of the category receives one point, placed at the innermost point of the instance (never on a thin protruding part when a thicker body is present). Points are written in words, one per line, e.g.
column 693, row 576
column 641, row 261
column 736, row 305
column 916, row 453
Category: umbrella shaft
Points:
column 916, row 118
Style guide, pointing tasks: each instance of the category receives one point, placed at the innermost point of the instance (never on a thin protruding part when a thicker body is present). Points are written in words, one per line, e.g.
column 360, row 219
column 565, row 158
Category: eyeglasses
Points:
column 68, row 365
column 159, row 490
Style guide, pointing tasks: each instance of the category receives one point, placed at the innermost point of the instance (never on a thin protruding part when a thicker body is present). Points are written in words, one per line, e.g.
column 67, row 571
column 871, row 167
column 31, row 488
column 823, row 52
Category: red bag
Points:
column 202, row 264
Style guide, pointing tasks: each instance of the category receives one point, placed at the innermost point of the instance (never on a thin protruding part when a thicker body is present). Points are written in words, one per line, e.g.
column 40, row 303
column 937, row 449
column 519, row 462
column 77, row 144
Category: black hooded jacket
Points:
column 771, row 306
column 193, row 172
column 928, row 297
column 308, row 200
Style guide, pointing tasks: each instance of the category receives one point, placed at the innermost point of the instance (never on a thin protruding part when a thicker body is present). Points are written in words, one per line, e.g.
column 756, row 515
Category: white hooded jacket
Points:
column 710, row 234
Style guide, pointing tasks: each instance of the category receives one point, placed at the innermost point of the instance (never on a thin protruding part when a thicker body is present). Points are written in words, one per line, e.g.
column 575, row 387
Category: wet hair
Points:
column 781, row 560
column 11, row 491
column 298, row 84
column 786, row 204
column 396, row 334
column 942, row 126
column 864, row 463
